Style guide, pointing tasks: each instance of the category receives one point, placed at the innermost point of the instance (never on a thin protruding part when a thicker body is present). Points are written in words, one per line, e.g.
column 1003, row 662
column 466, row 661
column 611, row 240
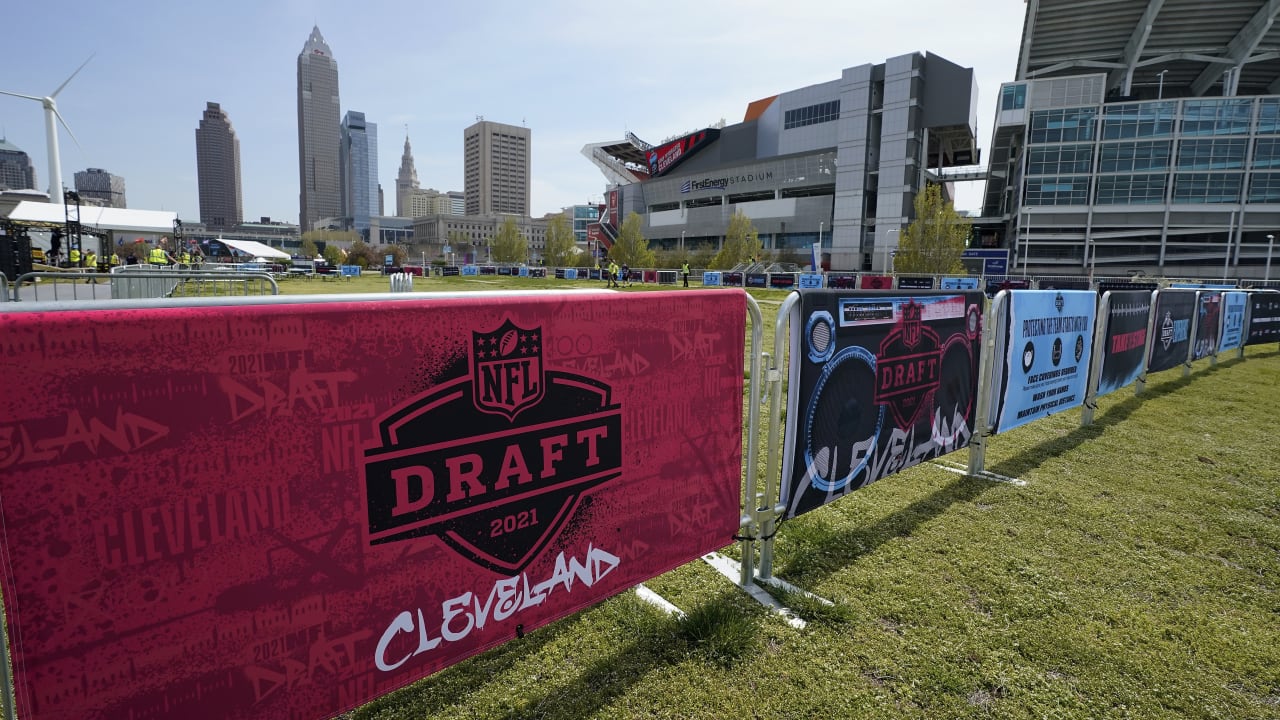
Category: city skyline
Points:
column 563, row 69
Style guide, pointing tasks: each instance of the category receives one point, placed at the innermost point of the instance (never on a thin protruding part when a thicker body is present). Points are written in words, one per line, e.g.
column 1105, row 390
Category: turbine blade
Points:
column 54, row 94
column 29, row 97
column 67, row 127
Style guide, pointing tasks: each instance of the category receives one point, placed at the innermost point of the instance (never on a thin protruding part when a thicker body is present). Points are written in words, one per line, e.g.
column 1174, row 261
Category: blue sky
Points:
column 573, row 72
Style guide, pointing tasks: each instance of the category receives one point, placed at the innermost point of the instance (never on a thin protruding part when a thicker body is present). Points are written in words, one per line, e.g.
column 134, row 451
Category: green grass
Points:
column 1136, row 575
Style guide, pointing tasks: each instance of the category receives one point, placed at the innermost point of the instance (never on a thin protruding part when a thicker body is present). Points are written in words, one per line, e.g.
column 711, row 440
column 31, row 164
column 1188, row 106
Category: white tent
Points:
column 255, row 248
column 98, row 218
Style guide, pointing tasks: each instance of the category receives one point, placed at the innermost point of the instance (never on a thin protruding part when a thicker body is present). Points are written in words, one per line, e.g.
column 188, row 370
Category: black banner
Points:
column 782, row 280
column 450, row 271
column 538, row 272
column 508, row 271
column 1174, row 311
column 1122, row 286
column 1064, row 284
column 1208, row 325
column 488, row 270
column 995, row 286
column 883, row 381
column 1264, row 318
column 757, row 280
column 842, row 282
column 732, row 279
column 1126, row 340
column 915, row 283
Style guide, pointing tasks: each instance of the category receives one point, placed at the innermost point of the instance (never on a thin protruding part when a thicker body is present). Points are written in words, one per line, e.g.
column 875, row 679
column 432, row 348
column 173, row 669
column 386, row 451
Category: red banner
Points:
column 285, row 510
column 876, row 282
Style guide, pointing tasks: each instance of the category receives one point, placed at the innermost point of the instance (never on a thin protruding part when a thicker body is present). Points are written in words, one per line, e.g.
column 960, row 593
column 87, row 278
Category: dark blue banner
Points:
column 1264, row 318
column 1174, row 312
column 1126, row 340
column 881, row 381
column 1047, row 350
column 914, row 283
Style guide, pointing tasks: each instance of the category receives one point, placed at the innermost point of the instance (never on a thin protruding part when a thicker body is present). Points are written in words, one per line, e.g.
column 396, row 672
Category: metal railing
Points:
column 135, row 284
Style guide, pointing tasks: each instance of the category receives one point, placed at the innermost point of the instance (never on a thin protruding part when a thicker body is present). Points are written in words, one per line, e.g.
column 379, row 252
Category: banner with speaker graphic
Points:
column 1045, row 354
column 220, row 512
column 1175, row 310
column 1264, row 318
column 1128, row 314
column 880, row 381
column 1208, row 324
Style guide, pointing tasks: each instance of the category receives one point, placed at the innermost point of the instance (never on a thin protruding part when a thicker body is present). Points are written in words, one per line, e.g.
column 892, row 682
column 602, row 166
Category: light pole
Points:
column 1160, row 88
column 1271, row 241
column 886, row 247
column 681, row 242
column 817, row 255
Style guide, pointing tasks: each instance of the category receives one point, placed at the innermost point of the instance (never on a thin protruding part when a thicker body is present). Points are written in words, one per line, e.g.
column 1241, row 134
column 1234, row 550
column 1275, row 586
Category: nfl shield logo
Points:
column 506, row 369
column 912, row 315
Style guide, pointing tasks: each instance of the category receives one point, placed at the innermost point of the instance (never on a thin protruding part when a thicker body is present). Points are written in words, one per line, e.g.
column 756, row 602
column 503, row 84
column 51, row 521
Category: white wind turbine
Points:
column 51, row 132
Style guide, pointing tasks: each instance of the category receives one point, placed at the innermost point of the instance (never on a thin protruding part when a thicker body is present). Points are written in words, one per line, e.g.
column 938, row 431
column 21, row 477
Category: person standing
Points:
column 626, row 274
column 613, row 274
column 684, row 270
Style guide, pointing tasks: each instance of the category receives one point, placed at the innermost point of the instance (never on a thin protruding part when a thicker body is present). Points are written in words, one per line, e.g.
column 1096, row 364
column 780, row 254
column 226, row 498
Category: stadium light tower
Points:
column 51, row 119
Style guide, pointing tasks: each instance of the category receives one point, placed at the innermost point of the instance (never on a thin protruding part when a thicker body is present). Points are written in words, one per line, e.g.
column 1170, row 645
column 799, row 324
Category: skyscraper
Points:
column 406, row 180
column 218, row 170
column 100, row 185
column 496, row 167
column 358, row 155
column 320, row 195
column 16, row 170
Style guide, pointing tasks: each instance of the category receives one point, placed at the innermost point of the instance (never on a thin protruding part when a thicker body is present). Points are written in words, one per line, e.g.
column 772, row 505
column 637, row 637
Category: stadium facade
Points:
column 1140, row 137
column 839, row 162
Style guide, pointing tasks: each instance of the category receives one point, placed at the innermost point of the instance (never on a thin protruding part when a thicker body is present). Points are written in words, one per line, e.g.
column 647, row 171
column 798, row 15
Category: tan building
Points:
column 468, row 237
column 496, row 169
column 318, row 119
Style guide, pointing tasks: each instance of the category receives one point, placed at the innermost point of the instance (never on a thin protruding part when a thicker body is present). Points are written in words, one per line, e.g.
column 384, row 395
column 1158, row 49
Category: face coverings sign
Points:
column 1126, row 339
column 286, row 510
column 1208, row 320
column 1175, row 309
column 1046, row 359
column 880, row 382
column 1234, row 305
column 1264, row 318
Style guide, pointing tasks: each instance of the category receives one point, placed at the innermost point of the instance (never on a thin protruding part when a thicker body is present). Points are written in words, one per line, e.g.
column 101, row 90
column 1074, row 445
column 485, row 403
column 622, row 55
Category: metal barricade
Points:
column 137, row 284
column 4, row 288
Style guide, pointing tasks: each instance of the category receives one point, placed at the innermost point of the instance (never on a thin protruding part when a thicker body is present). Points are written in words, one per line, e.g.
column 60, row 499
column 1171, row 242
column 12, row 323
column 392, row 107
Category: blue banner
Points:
column 470, row 270
column 1233, row 307
column 571, row 273
column 959, row 283
column 1047, row 350
column 810, row 281
column 711, row 278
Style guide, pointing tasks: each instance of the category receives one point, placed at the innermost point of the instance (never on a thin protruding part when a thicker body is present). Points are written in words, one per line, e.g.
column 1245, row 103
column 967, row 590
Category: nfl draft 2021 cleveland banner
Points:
column 283, row 510
column 879, row 382
column 1047, row 350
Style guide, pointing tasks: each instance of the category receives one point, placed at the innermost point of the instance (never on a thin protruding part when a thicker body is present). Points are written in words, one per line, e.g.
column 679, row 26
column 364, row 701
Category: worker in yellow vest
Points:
column 159, row 256
column 114, row 261
column 74, row 257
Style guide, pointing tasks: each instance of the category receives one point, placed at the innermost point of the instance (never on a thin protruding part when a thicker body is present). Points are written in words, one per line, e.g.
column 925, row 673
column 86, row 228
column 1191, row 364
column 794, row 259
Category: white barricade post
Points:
column 1141, row 382
column 1195, row 331
column 989, row 382
column 515, row 482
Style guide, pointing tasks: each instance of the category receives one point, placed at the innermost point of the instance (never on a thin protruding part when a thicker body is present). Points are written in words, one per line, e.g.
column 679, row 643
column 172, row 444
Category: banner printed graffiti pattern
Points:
column 188, row 535
column 884, row 381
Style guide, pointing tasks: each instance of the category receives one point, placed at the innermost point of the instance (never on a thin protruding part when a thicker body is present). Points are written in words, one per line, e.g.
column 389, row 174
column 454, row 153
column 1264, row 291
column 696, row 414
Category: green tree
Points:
column 309, row 249
column 933, row 243
column 631, row 248
column 333, row 254
column 362, row 255
column 741, row 243
column 399, row 256
column 561, row 243
column 509, row 246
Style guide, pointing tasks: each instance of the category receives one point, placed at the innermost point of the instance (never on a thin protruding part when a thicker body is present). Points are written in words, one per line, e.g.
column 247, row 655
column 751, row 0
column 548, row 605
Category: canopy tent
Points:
column 104, row 219
column 254, row 248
